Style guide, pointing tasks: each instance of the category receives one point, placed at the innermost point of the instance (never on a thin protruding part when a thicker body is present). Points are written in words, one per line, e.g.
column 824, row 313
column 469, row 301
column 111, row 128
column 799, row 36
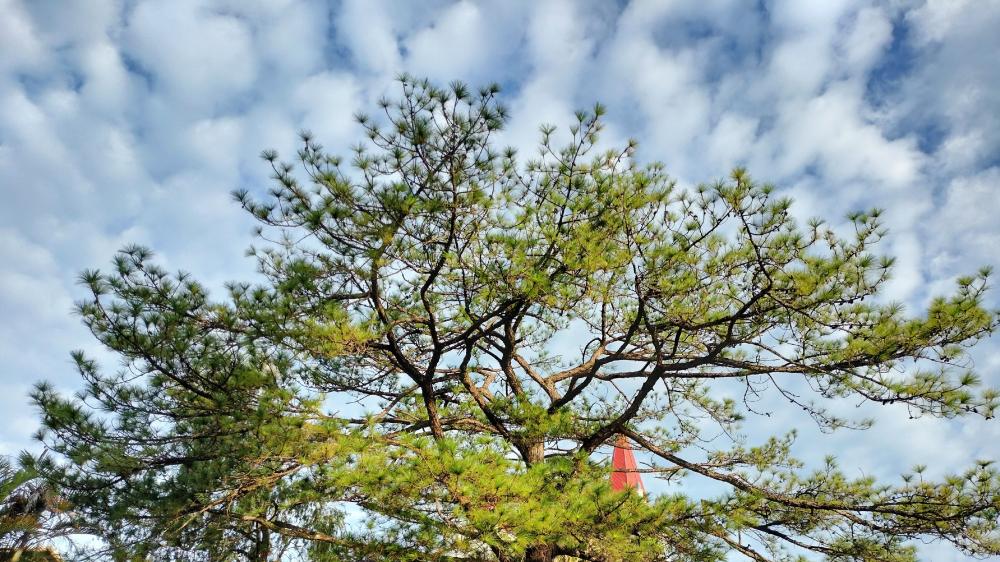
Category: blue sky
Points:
column 132, row 121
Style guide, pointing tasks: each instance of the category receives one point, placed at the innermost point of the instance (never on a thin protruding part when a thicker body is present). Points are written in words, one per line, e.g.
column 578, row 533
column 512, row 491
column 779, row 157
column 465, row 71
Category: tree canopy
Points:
column 448, row 337
column 29, row 510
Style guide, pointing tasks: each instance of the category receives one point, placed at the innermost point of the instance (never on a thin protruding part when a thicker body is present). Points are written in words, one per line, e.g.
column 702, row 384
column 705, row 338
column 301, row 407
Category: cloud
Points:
column 196, row 56
column 326, row 103
column 559, row 48
column 951, row 96
column 455, row 46
column 973, row 239
column 365, row 29
column 289, row 37
column 31, row 287
column 108, row 86
column 831, row 131
column 18, row 40
column 938, row 20
column 865, row 39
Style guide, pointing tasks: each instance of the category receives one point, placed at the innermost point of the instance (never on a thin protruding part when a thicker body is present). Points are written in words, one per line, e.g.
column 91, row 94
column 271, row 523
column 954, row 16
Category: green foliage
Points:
column 399, row 388
column 29, row 508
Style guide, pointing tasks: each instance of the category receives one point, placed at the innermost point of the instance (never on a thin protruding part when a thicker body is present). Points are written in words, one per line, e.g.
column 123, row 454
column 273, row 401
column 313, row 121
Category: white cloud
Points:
column 937, row 20
column 454, row 46
column 830, row 130
column 31, row 287
column 967, row 236
column 201, row 58
column 669, row 92
column 267, row 127
column 22, row 50
column 730, row 141
column 107, row 85
column 327, row 103
column 865, row 40
column 953, row 92
column 289, row 36
column 61, row 27
column 34, row 159
column 213, row 143
column 559, row 47
column 365, row 28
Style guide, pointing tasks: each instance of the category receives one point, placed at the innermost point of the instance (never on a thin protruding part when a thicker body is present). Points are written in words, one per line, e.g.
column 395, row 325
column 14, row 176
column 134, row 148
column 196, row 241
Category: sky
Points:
column 126, row 122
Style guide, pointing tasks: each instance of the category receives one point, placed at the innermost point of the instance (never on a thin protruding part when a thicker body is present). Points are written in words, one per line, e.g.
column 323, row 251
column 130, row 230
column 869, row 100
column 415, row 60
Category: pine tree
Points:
column 30, row 510
column 449, row 338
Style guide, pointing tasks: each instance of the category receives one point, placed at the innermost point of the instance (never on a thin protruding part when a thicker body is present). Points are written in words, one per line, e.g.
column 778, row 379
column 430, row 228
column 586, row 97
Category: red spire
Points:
column 623, row 468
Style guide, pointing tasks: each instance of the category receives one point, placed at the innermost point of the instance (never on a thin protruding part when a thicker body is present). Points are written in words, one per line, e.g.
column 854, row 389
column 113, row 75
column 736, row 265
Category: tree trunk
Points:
column 540, row 553
column 262, row 546
column 534, row 451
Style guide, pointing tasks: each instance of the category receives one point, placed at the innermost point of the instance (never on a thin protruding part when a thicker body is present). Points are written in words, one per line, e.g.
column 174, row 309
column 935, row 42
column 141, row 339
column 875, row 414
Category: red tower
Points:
column 623, row 468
